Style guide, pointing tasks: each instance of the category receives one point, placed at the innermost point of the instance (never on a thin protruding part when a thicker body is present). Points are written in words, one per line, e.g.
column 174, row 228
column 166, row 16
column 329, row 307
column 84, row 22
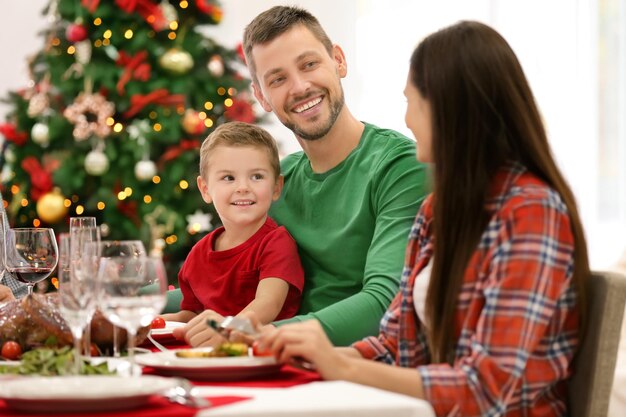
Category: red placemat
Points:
column 156, row 407
column 288, row 376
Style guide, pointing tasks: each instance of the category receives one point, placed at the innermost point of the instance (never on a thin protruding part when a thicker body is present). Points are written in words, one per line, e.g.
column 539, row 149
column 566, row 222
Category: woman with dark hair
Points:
column 491, row 304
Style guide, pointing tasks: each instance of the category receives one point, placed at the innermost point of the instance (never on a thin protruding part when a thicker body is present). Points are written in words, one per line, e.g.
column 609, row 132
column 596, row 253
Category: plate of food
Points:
column 228, row 362
column 81, row 394
column 162, row 331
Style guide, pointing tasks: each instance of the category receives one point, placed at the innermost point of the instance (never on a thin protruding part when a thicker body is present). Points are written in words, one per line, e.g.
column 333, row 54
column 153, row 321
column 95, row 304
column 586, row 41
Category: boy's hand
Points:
column 197, row 333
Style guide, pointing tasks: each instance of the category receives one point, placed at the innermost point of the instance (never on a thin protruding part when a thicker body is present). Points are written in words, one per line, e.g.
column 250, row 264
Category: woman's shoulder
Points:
column 528, row 190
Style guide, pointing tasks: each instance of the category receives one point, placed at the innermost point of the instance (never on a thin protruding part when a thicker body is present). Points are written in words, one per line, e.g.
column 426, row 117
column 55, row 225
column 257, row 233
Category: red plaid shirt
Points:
column 516, row 319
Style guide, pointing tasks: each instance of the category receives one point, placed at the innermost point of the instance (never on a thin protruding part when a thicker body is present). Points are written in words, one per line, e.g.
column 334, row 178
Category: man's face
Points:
column 300, row 82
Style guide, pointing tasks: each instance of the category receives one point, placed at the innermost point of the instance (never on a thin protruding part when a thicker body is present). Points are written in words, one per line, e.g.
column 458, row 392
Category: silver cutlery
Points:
column 157, row 344
column 182, row 394
column 231, row 323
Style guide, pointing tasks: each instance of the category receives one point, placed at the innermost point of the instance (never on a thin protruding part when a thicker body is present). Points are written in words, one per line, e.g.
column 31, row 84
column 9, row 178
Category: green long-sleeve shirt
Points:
column 351, row 225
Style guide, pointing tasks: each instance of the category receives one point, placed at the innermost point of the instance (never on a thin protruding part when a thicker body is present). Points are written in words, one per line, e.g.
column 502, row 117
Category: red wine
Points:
column 30, row 275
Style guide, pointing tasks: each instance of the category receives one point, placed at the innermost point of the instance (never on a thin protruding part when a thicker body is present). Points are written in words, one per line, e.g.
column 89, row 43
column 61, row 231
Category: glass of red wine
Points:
column 31, row 254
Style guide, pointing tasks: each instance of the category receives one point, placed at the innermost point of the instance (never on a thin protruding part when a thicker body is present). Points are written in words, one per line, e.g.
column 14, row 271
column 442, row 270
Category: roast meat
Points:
column 36, row 318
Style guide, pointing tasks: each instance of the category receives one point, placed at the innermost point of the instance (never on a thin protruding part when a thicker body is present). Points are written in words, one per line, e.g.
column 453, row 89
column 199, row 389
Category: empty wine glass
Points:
column 110, row 248
column 31, row 254
column 83, row 231
column 133, row 289
column 77, row 293
column 80, row 222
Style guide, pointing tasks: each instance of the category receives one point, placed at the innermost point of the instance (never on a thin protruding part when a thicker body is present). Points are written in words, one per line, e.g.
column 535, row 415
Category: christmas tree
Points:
column 121, row 97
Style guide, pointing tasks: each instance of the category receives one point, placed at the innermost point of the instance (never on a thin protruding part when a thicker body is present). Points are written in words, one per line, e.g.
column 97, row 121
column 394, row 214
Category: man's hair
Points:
column 239, row 134
column 274, row 22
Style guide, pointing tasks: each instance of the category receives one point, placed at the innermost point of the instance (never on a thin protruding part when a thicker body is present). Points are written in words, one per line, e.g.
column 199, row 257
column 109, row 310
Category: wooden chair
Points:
column 594, row 365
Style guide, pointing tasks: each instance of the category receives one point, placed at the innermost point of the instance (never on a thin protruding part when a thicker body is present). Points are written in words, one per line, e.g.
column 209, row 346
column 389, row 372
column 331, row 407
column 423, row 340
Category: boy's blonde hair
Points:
column 239, row 134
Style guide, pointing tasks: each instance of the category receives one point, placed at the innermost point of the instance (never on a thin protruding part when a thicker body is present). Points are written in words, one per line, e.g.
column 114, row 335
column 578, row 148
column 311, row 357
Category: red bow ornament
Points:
column 135, row 67
column 40, row 179
column 10, row 132
column 161, row 97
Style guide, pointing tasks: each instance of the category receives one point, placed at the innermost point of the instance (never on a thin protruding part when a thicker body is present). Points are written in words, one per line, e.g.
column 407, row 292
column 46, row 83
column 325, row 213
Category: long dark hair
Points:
column 483, row 115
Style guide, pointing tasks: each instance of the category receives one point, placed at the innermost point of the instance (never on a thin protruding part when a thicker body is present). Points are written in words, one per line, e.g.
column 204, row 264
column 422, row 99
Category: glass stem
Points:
column 131, row 333
column 78, row 363
column 87, row 339
column 116, row 347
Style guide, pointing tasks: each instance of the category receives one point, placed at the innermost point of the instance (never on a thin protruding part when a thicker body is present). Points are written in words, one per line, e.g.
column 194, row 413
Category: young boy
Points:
column 248, row 264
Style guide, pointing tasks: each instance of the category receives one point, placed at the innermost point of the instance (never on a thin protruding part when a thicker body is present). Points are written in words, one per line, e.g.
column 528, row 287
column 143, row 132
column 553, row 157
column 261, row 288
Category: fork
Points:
column 157, row 344
column 182, row 394
column 230, row 323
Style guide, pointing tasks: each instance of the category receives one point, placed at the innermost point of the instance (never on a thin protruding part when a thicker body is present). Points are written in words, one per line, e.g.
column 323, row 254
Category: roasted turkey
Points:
column 36, row 319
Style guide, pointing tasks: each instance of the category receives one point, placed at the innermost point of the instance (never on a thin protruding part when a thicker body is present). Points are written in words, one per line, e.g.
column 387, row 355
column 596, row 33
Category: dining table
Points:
column 284, row 390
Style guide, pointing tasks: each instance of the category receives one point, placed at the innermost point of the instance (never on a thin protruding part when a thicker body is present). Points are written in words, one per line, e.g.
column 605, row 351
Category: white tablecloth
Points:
column 317, row 399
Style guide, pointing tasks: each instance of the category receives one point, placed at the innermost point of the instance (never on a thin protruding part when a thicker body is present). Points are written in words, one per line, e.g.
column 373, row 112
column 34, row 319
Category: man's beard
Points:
column 335, row 108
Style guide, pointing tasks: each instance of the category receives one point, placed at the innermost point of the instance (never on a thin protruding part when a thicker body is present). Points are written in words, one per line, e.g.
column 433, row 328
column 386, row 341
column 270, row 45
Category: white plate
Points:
column 166, row 332
column 222, row 369
column 81, row 393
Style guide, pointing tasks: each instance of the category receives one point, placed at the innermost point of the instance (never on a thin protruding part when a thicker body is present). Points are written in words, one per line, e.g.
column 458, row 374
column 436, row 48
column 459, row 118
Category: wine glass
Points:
column 120, row 248
column 77, row 292
column 80, row 222
column 83, row 231
column 31, row 254
column 133, row 289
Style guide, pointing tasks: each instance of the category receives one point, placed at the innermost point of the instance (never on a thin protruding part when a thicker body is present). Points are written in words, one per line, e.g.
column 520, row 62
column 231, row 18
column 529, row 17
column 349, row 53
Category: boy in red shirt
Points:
column 248, row 264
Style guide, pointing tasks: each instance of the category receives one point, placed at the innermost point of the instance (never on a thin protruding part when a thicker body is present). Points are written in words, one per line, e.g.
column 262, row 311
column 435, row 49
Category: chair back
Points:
column 589, row 388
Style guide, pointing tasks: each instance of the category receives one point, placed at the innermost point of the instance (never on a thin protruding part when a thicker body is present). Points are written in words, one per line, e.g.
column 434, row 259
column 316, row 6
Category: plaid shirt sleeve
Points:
column 519, row 326
column 19, row 289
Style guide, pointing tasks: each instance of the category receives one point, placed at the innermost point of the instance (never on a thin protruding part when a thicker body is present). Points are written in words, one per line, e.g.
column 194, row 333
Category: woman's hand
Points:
column 306, row 341
column 6, row 294
column 198, row 333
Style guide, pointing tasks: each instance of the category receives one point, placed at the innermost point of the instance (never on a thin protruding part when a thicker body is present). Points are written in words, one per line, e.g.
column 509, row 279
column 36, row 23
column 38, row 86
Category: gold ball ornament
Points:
column 176, row 61
column 51, row 208
column 192, row 123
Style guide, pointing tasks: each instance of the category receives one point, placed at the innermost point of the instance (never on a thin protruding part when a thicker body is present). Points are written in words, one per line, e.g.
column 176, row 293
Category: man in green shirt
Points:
column 350, row 196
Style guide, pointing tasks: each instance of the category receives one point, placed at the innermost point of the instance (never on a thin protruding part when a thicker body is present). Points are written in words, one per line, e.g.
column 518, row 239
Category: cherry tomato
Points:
column 256, row 351
column 157, row 323
column 93, row 350
column 11, row 350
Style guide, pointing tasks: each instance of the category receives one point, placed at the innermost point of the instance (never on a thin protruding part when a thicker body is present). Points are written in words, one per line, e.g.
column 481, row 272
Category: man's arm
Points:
column 397, row 196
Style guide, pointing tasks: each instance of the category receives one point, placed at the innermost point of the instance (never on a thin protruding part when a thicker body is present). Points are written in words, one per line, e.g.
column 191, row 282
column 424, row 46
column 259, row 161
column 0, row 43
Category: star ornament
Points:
column 199, row 222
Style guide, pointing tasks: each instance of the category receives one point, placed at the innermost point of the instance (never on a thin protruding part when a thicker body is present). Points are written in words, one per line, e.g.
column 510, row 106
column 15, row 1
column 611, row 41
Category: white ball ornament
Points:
column 216, row 66
column 96, row 163
column 105, row 230
column 40, row 133
column 9, row 156
column 145, row 170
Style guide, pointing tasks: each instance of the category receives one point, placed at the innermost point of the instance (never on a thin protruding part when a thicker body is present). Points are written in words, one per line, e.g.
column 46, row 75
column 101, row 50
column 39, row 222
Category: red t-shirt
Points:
column 226, row 281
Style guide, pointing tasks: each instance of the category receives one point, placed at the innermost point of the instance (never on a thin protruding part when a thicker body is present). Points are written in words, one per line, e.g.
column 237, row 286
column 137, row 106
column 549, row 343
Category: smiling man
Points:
column 350, row 197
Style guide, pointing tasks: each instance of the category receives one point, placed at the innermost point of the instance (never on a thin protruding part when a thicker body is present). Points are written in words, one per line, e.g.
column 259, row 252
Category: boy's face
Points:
column 241, row 184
